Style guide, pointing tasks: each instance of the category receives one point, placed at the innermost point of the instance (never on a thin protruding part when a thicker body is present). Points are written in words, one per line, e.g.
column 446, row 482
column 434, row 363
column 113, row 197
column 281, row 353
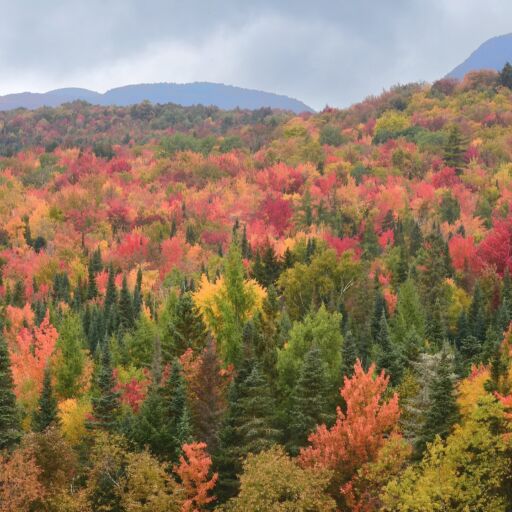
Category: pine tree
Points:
column 370, row 242
column 92, row 288
column 416, row 239
column 126, row 317
column 454, row 149
column 380, row 308
column 477, row 321
column 443, row 410
column 309, row 404
column 105, row 404
column 505, row 77
column 10, row 429
column 137, row 294
column 387, row 357
column 189, row 330
column 18, row 295
column 46, row 413
column 349, row 354
column 111, row 292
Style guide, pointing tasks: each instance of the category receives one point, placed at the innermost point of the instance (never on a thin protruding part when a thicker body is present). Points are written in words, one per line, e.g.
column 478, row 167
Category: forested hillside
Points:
column 258, row 311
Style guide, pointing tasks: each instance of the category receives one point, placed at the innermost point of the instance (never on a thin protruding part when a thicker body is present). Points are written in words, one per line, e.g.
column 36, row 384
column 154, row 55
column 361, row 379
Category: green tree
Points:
column 10, row 430
column 454, row 148
column 189, row 329
column 443, row 410
column 126, row 316
column 505, row 77
column 46, row 412
column 387, row 356
column 309, row 403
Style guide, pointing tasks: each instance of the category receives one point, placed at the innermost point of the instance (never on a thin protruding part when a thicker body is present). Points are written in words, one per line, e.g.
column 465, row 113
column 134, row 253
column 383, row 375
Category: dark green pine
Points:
column 443, row 410
column 111, row 292
column 92, row 288
column 349, row 353
column 126, row 317
column 10, row 431
column 477, row 321
column 309, row 404
column 46, row 412
column 189, row 328
column 137, row 294
column 387, row 356
column 105, row 403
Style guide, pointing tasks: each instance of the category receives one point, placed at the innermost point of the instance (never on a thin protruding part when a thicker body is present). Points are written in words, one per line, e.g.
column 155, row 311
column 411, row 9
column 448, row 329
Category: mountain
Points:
column 205, row 93
column 493, row 54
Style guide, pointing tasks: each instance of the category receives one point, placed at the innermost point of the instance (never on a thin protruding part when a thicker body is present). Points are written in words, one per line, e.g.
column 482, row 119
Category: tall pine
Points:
column 10, row 431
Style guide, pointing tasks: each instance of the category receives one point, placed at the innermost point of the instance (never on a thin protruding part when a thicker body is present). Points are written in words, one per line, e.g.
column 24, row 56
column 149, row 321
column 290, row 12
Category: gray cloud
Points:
column 325, row 52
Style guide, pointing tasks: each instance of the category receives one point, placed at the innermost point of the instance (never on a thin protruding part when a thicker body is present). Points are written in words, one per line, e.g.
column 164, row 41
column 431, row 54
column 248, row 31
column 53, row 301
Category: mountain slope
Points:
column 493, row 54
column 205, row 93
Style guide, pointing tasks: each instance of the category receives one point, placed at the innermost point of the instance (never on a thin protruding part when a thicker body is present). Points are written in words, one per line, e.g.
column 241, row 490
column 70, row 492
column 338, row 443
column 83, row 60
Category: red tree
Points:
column 193, row 470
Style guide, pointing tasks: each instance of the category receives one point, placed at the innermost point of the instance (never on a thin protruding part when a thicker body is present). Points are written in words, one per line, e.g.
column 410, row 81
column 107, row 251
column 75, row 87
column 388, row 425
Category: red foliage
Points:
column 276, row 212
column 358, row 433
column 463, row 253
column 193, row 471
column 496, row 248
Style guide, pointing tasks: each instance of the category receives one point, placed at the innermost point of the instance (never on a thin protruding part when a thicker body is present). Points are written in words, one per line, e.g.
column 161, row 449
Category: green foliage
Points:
column 10, row 431
column 46, row 413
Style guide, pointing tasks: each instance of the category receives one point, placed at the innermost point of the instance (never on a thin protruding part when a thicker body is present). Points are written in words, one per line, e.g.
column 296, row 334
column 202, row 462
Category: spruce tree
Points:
column 137, row 294
column 92, row 288
column 443, row 410
column 126, row 317
column 105, row 403
column 349, row 354
column 505, row 76
column 477, row 321
column 46, row 412
column 111, row 292
column 10, row 429
column 454, row 149
column 309, row 403
column 387, row 356
column 189, row 329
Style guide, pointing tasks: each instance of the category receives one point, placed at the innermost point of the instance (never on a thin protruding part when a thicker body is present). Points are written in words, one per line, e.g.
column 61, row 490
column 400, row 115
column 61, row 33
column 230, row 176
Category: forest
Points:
column 256, row 310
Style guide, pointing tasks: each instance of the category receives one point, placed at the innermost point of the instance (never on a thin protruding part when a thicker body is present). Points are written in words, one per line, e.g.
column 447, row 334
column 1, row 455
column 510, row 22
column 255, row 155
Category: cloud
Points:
column 326, row 52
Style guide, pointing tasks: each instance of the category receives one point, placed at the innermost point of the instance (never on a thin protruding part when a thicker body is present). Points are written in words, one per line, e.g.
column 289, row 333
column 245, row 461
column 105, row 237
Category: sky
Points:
column 323, row 52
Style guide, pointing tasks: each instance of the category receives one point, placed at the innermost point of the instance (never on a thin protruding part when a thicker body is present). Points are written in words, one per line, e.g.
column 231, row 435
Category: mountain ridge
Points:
column 195, row 93
column 491, row 54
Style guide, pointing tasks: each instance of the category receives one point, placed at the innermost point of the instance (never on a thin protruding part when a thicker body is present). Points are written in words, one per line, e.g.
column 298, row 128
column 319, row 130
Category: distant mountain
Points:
column 202, row 93
column 493, row 54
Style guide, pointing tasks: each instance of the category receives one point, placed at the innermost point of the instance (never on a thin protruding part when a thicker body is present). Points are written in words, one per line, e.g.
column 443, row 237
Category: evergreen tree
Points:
column 443, row 410
column 126, row 317
column 454, row 148
column 137, row 294
column 308, row 401
column 105, row 403
column 10, row 429
column 349, row 355
column 46, row 413
column 96, row 262
column 380, row 308
column 18, row 295
column 370, row 241
column 505, row 77
column 416, row 239
column 111, row 292
column 92, row 288
column 189, row 330
column 387, row 357
column 477, row 318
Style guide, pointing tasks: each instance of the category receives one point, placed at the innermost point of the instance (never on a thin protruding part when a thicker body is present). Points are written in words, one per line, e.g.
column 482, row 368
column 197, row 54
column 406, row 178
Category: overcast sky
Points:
column 322, row 52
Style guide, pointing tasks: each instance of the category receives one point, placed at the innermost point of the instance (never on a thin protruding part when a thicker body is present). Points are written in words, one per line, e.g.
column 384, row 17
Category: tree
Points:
column 126, row 316
column 105, row 404
column 46, row 413
column 189, row 330
column 10, row 431
column 20, row 488
column 271, row 482
column 470, row 471
column 454, row 148
column 387, row 357
column 358, row 433
column 505, row 77
column 322, row 329
column 70, row 359
column 146, row 486
column 194, row 473
column 443, row 411
column 309, row 400
column 348, row 355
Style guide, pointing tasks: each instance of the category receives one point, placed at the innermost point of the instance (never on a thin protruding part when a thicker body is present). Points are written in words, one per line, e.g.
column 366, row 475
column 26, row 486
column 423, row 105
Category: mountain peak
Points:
column 492, row 54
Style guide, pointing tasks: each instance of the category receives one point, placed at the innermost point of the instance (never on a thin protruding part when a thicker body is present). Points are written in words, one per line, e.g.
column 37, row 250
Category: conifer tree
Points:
column 309, row 400
column 476, row 317
column 443, row 410
column 92, row 288
column 349, row 354
column 111, row 292
column 10, row 430
column 387, row 357
column 454, row 148
column 137, row 294
column 126, row 317
column 505, row 77
column 189, row 329
column 46, row 413
column 105, row 404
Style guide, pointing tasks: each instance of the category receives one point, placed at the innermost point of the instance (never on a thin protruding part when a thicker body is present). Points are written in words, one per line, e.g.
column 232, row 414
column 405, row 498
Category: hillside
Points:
column 198, row 93
column 492, row 54
column 237, row 310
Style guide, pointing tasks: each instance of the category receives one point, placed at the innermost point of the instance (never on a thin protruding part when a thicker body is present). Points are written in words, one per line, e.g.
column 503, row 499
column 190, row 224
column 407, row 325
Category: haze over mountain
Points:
column 204, row 93
column 492, row 54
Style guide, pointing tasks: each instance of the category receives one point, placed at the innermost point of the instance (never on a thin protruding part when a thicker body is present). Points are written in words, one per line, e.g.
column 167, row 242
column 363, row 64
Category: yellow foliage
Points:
column 471, row 389
column 73, row 414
